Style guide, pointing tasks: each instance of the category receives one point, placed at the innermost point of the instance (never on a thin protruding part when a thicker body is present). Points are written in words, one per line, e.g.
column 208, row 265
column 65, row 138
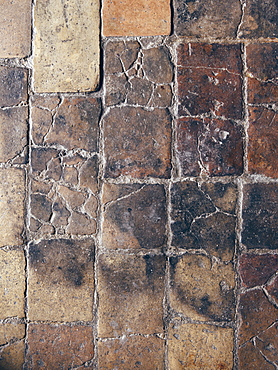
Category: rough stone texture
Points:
column 61, row 280
column 260, row 19
column 135, row 216
column 212, row 146
column 15, row 28
column 260, row 216
column 141, row 146
column 203, row 217
column 132, row 353
column 202, row 290
column 11, row 332
column 202, row 19
column 142, row 18
column 12, row 283
column 251, row 358
column 209, row 80
column 66, row 54
column 59, row 346
column 195, row 347
column 12, row 356
column 130, row 290
column 12, row 194
column 13, row 86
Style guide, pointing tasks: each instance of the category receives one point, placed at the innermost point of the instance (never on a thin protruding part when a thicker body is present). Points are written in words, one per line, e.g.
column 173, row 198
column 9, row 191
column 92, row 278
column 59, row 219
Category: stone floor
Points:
column 138, row 192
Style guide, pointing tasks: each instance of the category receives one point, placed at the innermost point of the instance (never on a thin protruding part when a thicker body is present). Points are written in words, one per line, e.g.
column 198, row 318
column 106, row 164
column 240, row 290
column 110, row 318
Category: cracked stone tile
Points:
column 145, row 18
column 251, row 358
column 11, row 332
column 259, row 19
column 130, row 290
column 120, row 55
column 12, row 356
column 267, row 343
column 139, row 147
column 202, row 19
column 157, row 65
column 53, row 346
column 201, row 222
column 200, row 346
column 12, row 283
column 61, row 280
column 201, row 290
column 211, row 145
column 260, row 216
column 132, row 353
column 135, row 218
column 13, row 86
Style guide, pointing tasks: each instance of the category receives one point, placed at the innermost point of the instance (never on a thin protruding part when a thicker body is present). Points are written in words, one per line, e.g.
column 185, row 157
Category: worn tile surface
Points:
column 12, row 356
column 13, row 86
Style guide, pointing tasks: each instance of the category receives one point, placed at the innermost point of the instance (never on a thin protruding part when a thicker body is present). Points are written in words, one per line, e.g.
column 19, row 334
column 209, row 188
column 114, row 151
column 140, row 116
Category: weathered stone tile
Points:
column 81, row 224
column 116, row 89
column 162, row 96
column 202, row 19
column 257, row 314
column 12, row 283
column 131, row 290
column 13, row 86
column 132, row 353
column 89, row 174
column 61, row 280
column 120, row 55
column 12, row 194
column 12, row 356
column 140, row 91
column 201, row 290
column 157, row 65
column 59, row 346
column 66, row 55
column 15, row 28
column 195, row 347
column 260, row 216
column 140, row 146
column 250, row 358
column 11, row 332
column 144, row 18
column 260, row 19
column 41, row 159
column 196, row 223
column 136, row 219
column 267, row 343
column 256, row 270
column 211, row 145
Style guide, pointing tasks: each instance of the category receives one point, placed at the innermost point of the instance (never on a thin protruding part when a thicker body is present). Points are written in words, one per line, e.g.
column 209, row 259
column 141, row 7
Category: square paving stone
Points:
column 61, row 280
column 131, row 291
column 135, row 216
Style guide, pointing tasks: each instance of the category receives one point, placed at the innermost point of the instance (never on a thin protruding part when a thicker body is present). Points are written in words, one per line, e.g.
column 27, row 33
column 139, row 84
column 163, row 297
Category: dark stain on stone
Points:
column 205, row 304
column 41, row 207
column 173, row 263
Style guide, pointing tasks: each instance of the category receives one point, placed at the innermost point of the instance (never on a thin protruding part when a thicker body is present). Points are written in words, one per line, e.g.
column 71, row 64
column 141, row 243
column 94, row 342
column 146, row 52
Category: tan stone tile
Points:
column 12, row 194
column 201, row 290
column 15, row 28
column 132, row 353
column 61, row 280
column 131, row 290
column 11, row 332
column 12, row 283
column 197, row 346
column 12, row 356
column 66, row 56
column 141, row 18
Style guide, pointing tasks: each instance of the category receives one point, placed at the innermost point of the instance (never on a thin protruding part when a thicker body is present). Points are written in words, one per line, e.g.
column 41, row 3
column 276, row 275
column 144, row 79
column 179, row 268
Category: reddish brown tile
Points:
column 251, row 358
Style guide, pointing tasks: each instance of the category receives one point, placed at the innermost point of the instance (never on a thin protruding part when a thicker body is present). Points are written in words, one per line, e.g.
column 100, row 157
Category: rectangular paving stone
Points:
column 260, row 215
column 195, row 347
column 66, row 46
column 200, row 290
column 139, row 18
column 137, row 142
column 202, row 19
column 12, row 284
column 132, row 353
column 12, row 195
column 59, row 346
column 131, row 291
column 135, row 216
column 61, row 280
column 13, row 86
column 15, row 28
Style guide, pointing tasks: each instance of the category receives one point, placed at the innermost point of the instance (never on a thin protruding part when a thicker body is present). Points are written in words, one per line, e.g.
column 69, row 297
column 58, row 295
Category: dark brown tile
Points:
column 251, row 358
column 13, row 86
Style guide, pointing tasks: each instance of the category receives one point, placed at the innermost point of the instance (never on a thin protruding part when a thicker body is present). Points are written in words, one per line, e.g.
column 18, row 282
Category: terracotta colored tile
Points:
column 140, row 145
column 260, row 19
column 59, row 346
column 260, row 216
column 135, row 220
column 61, row 280
column 141, row 18
column 66, row 46
column 131, row 290
column 250, row 358
column 215, row 232
column 12, row 356
column 202, row 291
column 217, row 19
column 256, row 270
column 12, row 283
column 195, row 347
column 13, row 86
column 132, row 353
